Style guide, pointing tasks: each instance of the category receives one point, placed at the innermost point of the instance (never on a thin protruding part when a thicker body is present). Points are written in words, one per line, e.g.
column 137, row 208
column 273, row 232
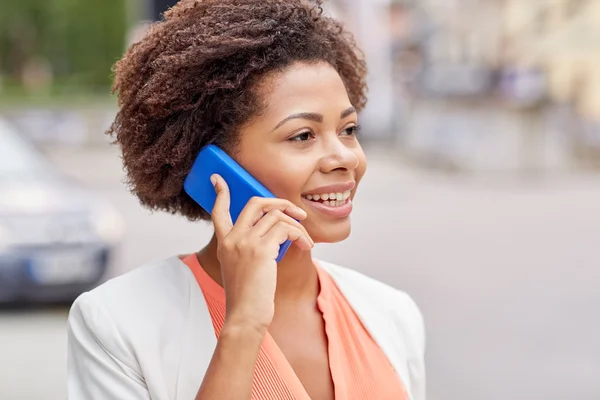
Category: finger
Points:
column 263, row 226
column 282, row 232
column 257, row 207
column 220, row 213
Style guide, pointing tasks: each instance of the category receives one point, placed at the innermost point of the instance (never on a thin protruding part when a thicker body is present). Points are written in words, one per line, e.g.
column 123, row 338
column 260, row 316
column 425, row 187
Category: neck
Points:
column 296, row 274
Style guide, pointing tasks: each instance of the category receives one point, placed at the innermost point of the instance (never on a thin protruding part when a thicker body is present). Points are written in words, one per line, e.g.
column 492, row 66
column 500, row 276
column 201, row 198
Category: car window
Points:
column 17, row 156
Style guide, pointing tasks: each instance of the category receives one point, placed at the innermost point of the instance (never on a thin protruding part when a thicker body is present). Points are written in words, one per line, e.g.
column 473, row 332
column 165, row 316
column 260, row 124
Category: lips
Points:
column 334, row 188
column 338, row 210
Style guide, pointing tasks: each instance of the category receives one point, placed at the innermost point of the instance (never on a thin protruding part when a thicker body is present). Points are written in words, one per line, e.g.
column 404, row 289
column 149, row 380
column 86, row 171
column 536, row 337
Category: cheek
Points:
column 283, row 180
column 270, row 167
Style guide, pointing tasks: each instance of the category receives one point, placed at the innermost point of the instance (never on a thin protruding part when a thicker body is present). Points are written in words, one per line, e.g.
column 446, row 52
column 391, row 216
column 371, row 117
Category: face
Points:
column 304, row 148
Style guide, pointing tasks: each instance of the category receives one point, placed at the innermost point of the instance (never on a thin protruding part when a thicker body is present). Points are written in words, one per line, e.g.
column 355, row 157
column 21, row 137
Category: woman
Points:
column 278, row 85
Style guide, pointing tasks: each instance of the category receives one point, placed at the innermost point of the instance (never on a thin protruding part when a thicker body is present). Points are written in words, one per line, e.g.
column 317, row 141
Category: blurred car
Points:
column 56, row 240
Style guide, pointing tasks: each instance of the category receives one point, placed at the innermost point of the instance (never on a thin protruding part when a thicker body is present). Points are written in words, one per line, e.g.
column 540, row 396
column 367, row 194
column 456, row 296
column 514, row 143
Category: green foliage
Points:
column 74, row 41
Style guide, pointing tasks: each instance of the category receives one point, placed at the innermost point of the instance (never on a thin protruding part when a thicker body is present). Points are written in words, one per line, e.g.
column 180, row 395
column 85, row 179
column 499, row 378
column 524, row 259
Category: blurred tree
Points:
column 65, row 43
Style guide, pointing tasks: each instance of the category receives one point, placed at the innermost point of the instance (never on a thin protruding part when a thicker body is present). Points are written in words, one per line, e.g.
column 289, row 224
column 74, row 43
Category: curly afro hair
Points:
column 192, row 80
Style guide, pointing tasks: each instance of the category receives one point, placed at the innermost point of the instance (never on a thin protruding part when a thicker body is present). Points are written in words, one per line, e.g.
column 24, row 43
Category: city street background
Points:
column 505, row 271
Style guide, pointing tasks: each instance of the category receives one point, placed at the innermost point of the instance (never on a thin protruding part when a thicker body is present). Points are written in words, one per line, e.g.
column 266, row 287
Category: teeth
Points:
column 330, row 199
column 335, row 203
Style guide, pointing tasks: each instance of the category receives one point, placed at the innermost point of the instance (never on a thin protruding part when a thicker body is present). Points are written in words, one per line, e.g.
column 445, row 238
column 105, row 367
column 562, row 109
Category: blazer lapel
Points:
column 199, row 345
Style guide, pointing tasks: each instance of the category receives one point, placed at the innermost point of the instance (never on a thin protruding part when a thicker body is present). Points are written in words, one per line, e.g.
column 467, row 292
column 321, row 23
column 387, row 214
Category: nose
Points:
column 338, row 157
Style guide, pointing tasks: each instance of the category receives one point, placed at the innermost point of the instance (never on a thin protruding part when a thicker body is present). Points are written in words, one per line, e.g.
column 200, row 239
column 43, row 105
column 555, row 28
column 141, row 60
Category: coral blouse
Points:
column 359, row 368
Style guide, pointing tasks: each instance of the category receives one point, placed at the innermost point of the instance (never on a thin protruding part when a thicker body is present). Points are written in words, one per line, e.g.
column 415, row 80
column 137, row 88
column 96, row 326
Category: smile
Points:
column 330, row 199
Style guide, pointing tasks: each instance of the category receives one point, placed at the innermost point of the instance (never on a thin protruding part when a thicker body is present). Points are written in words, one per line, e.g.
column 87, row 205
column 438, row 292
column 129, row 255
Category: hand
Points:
column 247, row 252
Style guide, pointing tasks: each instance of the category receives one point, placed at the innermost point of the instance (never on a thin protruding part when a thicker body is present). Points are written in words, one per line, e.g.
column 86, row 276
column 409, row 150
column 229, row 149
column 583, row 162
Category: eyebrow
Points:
column 316, row 117
column 349, row 111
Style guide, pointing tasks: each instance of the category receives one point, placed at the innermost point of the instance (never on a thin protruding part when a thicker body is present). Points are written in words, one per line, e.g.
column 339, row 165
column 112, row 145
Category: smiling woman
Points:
column 278, row 85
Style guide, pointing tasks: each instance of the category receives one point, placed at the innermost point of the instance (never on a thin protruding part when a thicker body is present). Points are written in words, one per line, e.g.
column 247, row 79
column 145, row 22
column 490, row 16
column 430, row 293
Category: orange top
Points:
column 359, row 368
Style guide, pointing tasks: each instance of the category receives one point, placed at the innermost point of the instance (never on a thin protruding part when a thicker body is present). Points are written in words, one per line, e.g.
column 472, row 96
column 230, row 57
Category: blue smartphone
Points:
column 242, row 186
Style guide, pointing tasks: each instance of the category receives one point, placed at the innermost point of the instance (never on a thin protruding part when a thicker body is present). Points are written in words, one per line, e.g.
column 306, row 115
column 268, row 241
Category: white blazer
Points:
column 148, row 334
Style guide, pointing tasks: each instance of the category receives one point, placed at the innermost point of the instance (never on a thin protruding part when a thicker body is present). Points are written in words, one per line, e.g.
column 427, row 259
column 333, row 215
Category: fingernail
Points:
column 213, row 180
column 301, row 211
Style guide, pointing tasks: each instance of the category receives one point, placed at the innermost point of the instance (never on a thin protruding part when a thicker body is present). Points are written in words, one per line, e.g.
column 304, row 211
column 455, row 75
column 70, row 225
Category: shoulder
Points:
column 126, row 337
column 134, row 305
column 149, row 287
column 375, row 296
column 362, row 284
column 168, row 275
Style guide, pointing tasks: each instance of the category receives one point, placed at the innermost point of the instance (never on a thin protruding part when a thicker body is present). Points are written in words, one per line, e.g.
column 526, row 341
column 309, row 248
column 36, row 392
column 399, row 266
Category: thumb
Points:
column 220, row 213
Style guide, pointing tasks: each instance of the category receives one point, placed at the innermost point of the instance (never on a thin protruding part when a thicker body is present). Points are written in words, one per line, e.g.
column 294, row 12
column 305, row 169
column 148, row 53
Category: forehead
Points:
column 305, row 87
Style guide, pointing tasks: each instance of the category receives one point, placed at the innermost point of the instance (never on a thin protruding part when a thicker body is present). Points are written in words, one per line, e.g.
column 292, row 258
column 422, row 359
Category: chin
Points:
column 332, row 235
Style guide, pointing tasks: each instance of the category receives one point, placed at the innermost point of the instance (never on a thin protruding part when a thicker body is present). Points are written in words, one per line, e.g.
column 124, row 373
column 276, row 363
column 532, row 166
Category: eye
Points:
column 302, row 137
column 352, row 130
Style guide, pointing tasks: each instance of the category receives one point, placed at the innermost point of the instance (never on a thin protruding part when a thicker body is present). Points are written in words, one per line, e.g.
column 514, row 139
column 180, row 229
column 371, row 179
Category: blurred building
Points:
column 562, row 37
column 499, row 84
column 479, row 39
column 461, row 48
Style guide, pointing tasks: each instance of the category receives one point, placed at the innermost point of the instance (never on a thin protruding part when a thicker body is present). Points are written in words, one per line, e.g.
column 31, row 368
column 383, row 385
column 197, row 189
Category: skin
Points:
column 291, row 157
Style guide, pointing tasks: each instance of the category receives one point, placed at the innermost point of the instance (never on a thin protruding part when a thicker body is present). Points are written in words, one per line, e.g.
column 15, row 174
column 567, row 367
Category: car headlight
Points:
column 108, row 224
